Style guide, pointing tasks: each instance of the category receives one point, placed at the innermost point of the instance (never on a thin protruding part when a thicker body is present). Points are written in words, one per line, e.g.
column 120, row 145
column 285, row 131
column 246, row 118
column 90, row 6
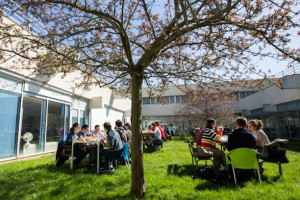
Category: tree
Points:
column 203, row 104
column 127, row 42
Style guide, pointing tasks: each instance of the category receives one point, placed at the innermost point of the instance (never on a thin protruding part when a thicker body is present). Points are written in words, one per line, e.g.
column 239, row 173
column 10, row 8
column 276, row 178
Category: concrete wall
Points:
column 271, row 95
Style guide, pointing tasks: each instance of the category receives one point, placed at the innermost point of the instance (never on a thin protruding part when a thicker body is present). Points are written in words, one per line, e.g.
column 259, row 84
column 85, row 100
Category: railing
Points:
column 14, row 11
column 287, row 72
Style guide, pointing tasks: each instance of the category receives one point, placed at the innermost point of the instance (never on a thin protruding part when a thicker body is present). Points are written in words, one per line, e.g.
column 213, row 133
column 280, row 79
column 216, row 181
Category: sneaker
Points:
column 110, row 169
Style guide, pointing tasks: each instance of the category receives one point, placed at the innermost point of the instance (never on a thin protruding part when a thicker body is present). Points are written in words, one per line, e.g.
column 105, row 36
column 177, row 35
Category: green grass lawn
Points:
column 167, row 172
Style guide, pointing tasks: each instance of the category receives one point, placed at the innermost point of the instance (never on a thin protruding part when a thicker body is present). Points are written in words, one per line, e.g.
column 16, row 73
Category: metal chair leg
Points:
column 234, row 177
column 259, row 176
column 280, row 169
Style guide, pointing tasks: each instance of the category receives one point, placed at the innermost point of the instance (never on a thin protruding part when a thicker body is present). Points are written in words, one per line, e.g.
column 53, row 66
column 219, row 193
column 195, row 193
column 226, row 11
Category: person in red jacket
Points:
column 163, row 135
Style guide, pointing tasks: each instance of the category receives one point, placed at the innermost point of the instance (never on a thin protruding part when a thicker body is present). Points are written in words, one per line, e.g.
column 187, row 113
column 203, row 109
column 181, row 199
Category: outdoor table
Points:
column 87, row 142
column 147, row 137
column 223, row 142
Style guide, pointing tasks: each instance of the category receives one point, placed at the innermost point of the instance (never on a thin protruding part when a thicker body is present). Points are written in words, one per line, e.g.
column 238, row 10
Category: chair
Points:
column 243, row 158
column 63, row 154
column 276, row 153
column 197, row 158
column 120, row 155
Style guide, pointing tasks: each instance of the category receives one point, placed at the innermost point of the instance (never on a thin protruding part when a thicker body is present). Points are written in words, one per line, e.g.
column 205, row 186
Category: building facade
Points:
column 279, row 108
column 46, row 107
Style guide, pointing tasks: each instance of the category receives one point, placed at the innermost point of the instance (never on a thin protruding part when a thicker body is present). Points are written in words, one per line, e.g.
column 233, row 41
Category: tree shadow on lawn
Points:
column 48, row 180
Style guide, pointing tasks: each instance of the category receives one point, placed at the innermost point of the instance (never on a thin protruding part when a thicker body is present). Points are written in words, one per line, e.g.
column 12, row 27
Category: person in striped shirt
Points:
column 208, row 142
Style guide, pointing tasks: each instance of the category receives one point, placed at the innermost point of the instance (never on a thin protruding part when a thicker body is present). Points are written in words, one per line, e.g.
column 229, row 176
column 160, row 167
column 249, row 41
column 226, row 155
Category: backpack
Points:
column 214, row 175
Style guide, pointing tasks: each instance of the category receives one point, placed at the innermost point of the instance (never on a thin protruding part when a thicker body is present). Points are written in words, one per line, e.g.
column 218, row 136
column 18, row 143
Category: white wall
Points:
column 271, row 95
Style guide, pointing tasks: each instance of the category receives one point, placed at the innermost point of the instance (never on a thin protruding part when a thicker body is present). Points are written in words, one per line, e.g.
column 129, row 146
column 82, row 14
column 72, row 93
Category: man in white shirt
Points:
column 157, row 138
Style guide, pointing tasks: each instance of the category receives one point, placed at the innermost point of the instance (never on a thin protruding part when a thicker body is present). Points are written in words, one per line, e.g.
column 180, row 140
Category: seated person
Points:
column 112, row 141
column 241, row 137
column 199, row 138
column 154, row 129
column 256, row 126
column 122, row 133
column 84, row 131
column 97, row 133
column 128, row 129
column 167, row 132
column 163, row 136
column 78, row 153
column 208, row 142
column 171, row 130
column 220, row 130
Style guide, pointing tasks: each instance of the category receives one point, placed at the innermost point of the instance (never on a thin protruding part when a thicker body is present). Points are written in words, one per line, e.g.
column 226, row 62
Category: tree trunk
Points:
column 138, row 187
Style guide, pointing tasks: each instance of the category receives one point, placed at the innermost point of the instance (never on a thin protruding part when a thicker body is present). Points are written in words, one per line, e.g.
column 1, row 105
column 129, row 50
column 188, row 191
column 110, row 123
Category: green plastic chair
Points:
column 243, row 158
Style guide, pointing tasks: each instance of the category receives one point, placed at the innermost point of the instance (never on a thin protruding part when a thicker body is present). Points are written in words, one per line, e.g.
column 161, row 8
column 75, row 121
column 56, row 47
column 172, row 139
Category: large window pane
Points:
column 33, row 121
column 82, row 118
column 74, row 116
column 55, row 125
column 9, row 115
column 67, row 122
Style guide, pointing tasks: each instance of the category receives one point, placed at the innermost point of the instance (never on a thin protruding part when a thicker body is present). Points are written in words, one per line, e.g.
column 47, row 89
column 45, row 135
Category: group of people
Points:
column 247, row 134
column 160, row 135
column 113, row 139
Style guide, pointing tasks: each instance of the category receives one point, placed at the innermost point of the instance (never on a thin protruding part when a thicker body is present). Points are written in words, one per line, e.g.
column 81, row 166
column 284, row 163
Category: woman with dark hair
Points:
column 79, row 154
column 209, row 139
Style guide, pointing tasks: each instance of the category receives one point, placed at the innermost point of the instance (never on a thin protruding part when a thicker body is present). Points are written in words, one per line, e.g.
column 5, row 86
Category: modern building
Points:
column 46, row 107
column 279, row 108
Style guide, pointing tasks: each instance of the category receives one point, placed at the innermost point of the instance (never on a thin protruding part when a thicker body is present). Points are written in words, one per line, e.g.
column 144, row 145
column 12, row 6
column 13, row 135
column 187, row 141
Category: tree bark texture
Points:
column 138, row 187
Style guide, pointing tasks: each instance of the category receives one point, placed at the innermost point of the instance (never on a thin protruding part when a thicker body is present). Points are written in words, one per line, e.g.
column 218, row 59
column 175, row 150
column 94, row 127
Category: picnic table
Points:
column 147, row 137
column 85, row 142
column 223, row 142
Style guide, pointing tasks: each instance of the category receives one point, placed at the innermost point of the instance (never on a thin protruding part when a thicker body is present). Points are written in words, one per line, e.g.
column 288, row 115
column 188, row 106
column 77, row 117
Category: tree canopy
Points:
column 127, row 42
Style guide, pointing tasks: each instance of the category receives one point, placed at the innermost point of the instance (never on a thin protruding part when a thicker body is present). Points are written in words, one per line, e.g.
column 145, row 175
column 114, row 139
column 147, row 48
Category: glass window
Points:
column 172, row 99
column 55, row 126
column 146, row 100
column 74, row 116
column 165, row 99
column 153, row 100
column 9, row 115
column 67, row 121
column 82, row 117
column 184, row 98
column 178, row 99
column 33, row 121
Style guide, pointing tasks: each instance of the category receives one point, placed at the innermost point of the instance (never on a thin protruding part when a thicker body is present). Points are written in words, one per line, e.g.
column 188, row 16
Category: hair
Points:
column 220, row 127
column 128, row 125
column 84, row 126
column 257, row 124
column 119, row 123
column 153, row 124
column 97, row 126
column 241, row 121
column 107, row 126
column 73, row 127
column 196, row 126
column 210, row 122
column 157, row 123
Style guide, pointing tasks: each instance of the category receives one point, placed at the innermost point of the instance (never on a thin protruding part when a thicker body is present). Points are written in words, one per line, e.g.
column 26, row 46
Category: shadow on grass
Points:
column 53, row 183
column 181, row 170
